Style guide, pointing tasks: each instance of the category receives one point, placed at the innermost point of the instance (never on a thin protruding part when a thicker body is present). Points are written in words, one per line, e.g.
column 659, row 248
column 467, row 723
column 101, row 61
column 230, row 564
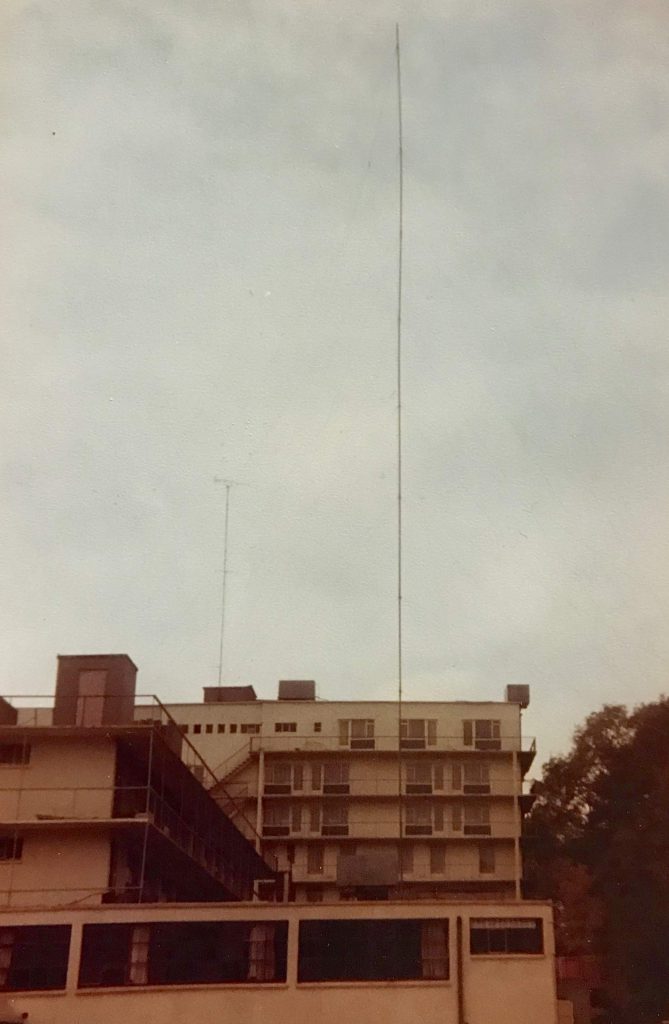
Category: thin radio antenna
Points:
column 228, row 485
column 399, row 443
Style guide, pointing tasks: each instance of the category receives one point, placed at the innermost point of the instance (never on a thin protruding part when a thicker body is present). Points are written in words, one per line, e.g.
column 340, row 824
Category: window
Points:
column 336, row 777
column 139, row 955
column 486, row 859
column 14, row 754
column 184, row 728
column 233, row 728
column 406, row 857
column 357, row 733
column 419, row 777
column 197, row 729
column 482, row 733
column 318, row 726
column 314, row 818
column 221, row 727
column 477, row 819
column 368, row 950
column 315, row 859
column 473, row 777
column 476, row 776
column 250, row 728
column 418, row 820
column 181, row 953
column 11, row 847
column 422, row 818
column 335, row 820
column 283, row 777
column 280, row 819
column 285, row 727
column 315, row 894
column 505, row 935
column 34, row 958
column 437, row 859
column 276, row 821
column 416, row 733
column 209, row 728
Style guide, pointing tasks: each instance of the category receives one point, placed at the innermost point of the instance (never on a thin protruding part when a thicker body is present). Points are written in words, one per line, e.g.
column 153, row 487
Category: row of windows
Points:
column 359, row 733
column 420, row 819
column 420, row 777
column 34, row 958
column 251, row 728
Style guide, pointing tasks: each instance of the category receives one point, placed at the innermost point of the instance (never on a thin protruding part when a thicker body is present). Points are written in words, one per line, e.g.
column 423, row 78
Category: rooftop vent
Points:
column 297, row 689
column 518, row 693
column 228, row 694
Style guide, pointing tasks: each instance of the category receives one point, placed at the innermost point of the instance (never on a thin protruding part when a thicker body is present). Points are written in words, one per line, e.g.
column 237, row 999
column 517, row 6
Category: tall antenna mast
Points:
column 399, row 444
column 228, row 484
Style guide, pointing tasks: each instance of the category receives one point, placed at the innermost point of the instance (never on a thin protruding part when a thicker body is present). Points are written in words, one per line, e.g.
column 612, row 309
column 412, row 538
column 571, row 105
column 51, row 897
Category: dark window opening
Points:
column 197, row 729
column 11, row 847
column 209, row 728
column 34, row 958
column 183, row 953
column 318, row 726
column 14, row 753
column 505, row 935
column 233, row 728
column 367, row 950
column 221, row 727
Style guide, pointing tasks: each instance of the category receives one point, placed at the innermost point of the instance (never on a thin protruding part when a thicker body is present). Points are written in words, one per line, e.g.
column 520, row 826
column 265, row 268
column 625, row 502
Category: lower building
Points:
column 473, row 962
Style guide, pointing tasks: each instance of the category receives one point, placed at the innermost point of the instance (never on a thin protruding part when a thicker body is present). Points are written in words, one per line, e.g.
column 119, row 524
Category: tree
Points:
column 598, row 845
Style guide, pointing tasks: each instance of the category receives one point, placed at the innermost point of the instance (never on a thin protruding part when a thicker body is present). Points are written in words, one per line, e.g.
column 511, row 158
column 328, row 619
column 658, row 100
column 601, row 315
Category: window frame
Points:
column 500, row 931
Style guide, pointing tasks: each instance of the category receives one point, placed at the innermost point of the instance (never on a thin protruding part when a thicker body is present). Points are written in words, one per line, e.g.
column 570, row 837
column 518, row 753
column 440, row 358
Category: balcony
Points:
column 322, row 744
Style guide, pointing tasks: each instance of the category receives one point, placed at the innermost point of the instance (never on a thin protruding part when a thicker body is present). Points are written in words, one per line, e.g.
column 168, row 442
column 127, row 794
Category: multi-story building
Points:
column 363, row 799
column 98, row 806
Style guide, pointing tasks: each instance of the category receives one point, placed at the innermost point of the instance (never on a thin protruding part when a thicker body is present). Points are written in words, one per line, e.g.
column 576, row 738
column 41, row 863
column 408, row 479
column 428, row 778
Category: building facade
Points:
column 97, row 806
column 363, row 800
column 462, row 963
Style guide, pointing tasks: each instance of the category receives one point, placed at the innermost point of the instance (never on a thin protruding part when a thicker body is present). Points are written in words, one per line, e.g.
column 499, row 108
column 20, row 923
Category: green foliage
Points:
column 598, row 845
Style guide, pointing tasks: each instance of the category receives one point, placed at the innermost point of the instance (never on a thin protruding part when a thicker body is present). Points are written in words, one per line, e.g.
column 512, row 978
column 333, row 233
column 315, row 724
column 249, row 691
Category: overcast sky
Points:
column 200, row 281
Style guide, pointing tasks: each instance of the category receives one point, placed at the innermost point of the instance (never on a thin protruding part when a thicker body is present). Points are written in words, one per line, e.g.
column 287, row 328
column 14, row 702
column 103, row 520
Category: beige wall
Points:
column 66, row 777
column 74, row 867
column 217, row 748
column 496, row 989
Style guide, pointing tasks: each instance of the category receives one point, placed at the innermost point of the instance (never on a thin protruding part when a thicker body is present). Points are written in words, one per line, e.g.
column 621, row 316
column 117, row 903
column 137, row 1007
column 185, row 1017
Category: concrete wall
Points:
column 67, row 780
column 66, row 777
column 74, row 867
column 217, row 747
column 496, row 989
